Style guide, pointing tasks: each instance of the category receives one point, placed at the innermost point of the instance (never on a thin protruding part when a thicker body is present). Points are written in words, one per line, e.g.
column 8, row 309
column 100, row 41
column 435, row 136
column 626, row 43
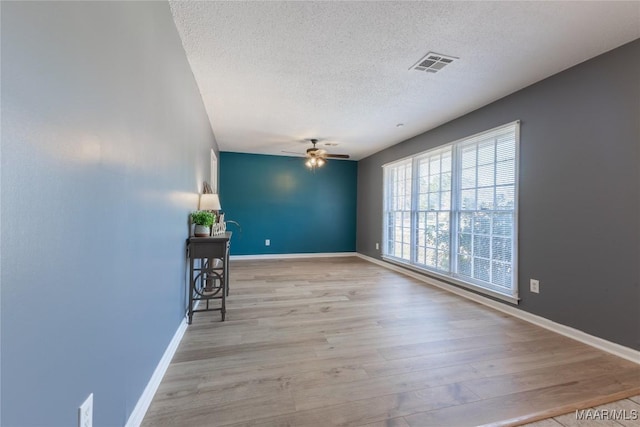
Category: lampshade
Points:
column 209, row 202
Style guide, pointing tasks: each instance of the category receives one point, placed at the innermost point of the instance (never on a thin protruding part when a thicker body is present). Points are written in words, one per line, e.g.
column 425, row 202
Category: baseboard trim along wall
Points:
column 286, row 256
column 142, row 406
column 599, row 343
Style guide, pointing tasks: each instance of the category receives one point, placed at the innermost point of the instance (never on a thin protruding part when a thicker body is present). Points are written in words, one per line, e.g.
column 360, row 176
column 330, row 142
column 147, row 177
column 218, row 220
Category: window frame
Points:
column 387, row 209
column 439, row 151
column 453, row 275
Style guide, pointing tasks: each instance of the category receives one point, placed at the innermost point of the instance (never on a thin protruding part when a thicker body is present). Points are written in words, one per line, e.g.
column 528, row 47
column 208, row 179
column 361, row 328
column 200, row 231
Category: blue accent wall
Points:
column 105, row 144
column 278, row 198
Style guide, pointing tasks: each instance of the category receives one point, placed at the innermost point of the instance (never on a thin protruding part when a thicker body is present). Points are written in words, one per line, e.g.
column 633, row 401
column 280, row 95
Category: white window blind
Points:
column 452, row 210
column 434, row 209
column 398, row 197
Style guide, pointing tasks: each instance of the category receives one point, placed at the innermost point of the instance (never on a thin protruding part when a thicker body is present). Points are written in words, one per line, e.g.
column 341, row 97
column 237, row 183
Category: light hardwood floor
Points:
column 341, row 341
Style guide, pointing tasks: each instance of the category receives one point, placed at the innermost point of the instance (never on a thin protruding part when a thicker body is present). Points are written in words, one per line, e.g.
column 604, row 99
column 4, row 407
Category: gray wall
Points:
column 105, row 143
column 579, row 225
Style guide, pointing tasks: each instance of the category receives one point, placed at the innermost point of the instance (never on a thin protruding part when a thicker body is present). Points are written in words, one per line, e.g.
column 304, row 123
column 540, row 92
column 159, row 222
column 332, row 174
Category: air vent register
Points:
column 433, row 62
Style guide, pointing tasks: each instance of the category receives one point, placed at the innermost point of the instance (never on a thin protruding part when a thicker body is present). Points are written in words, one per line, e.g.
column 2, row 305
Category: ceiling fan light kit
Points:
column 315, row 162
column 317, row 157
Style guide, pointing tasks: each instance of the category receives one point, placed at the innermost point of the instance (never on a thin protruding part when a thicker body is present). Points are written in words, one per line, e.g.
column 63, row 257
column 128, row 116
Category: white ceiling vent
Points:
column 433, row 62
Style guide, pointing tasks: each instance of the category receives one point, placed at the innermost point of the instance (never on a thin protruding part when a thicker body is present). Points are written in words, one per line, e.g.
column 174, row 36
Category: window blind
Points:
column 452, row 210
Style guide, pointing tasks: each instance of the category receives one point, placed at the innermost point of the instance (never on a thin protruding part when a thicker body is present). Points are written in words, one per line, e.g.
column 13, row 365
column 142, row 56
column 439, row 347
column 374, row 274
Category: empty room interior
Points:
column 320, row 213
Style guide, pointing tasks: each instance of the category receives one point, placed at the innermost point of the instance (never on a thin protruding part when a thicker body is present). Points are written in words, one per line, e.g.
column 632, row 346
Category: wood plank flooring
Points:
column 343, row 342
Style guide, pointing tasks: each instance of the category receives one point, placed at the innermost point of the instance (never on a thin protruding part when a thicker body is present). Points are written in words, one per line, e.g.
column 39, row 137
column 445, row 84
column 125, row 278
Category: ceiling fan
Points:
column 317, row 157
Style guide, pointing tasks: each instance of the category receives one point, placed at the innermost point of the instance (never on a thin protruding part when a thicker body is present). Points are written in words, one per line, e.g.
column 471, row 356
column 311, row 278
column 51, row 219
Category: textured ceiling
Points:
column 273, row 74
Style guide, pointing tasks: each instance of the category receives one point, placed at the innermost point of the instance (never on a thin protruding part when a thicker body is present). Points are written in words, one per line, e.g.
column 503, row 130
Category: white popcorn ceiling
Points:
column 273, row 74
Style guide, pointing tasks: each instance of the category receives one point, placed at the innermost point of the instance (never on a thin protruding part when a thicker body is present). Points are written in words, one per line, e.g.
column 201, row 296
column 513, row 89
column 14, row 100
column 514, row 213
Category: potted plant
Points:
column 203, row 221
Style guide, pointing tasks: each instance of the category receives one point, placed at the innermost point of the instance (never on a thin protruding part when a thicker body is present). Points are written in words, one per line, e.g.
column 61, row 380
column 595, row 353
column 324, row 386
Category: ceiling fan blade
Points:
column 293, row 152
column 338, row 156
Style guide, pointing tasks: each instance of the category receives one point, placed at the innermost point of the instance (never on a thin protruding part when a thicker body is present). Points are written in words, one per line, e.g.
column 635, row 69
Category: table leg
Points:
column 191, row 290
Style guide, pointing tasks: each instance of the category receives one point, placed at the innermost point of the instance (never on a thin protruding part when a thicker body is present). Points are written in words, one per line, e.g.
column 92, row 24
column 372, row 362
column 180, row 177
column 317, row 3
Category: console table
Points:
column 208, row 273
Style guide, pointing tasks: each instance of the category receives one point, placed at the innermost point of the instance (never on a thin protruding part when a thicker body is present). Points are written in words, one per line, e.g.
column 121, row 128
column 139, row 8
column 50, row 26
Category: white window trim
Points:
column 469, row 283
column 450, row 279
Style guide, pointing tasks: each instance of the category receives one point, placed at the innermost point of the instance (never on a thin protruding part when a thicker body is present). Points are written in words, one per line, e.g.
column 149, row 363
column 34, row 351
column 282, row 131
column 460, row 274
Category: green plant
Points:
column 205, row 218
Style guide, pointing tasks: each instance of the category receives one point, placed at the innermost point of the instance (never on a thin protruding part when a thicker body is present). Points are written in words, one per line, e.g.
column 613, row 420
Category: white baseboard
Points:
column 140, row 410
column 599, row 343
column 287, row 256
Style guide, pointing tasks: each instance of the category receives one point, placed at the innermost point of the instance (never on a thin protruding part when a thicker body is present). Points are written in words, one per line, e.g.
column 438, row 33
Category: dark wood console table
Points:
column 208, row 272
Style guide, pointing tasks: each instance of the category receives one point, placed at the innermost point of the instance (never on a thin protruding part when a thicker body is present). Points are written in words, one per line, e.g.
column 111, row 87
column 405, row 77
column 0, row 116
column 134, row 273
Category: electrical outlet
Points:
column 85, row 413
column 534, row 285
column 267, row 242
column 377, row 246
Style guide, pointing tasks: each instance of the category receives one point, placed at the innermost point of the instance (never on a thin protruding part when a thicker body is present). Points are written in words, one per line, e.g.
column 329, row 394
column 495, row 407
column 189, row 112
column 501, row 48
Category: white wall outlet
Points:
column 377, row 246
column 267, row 242
column 534, row 285
column 85, row 413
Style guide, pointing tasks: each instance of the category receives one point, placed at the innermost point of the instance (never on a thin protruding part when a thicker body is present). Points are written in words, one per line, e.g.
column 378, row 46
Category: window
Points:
column 452, row 210
column 433, row 209
column 398, row 212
